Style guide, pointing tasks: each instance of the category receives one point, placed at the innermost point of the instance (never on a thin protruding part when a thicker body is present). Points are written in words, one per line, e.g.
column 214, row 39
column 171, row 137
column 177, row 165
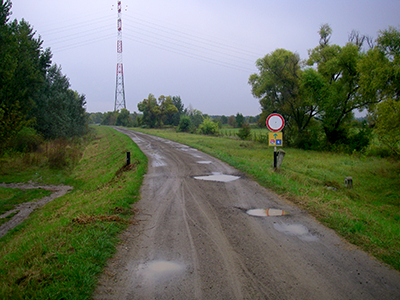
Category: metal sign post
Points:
column 275, row 123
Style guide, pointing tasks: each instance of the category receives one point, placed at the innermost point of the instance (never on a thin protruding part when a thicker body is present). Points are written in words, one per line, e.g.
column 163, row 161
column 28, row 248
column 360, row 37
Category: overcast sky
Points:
column 202, row 50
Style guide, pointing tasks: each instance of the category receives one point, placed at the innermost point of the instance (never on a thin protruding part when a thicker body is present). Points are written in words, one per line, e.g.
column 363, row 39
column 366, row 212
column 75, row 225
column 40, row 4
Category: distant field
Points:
column 257, row 134
column 367, row 215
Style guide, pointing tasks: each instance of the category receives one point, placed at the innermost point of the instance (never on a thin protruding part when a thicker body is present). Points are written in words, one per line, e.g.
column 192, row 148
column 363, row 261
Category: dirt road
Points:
column 196, row 241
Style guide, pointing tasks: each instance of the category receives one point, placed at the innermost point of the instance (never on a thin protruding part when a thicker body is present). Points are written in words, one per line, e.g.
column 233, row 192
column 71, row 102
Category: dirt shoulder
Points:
column 196, row 241
column 24, row 210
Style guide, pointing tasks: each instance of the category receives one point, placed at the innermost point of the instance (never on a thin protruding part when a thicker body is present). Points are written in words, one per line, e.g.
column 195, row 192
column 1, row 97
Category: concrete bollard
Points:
column 281, row 155
column 348, row 182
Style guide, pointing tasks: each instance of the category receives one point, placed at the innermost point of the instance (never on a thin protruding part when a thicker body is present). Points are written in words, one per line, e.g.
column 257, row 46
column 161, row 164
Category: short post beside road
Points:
column 128, row 158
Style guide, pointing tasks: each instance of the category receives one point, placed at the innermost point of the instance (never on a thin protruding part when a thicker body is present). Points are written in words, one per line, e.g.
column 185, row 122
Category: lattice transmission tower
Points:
column 119, row 85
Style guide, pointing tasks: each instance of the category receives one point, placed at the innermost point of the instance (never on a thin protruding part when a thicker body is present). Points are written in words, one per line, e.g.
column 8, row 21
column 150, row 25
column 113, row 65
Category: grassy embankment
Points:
column 367, row 215
column 60, row 249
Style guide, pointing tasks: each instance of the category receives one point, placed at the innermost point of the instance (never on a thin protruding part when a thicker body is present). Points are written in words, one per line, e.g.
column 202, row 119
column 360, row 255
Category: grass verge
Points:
column 60, row 249
column 367, row 215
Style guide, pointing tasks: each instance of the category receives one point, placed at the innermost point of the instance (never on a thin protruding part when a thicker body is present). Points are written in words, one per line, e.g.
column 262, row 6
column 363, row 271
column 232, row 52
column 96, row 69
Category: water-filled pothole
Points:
column 218, row 177
column 296, row 229
column 204, row 162
column 160, row 268
column 270, row 212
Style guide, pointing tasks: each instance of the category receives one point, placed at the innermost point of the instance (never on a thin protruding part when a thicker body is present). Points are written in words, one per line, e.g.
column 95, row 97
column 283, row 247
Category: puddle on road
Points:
column 161, row 268
column 270, row 212
column 296, row 229
column 204, row 162
column 218, row 177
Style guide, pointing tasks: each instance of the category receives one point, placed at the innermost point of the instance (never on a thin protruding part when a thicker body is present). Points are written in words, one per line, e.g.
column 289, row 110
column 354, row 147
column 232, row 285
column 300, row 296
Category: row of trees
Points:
column 171, row 111
column 318, row 96
column 33, row 93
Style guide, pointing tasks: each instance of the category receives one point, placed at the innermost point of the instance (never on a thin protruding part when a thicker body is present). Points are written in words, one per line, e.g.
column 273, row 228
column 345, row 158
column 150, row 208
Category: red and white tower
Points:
column 119, row 86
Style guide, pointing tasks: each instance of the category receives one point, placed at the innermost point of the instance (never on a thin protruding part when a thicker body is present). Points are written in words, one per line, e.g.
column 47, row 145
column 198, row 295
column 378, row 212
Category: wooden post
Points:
column 128, row 158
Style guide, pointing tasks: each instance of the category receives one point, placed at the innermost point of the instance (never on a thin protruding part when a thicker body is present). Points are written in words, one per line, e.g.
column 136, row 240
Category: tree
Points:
column 278, row 86
column 95, row 118
column 167, row 110
column 232, row 121
column 196, row 116
column 110, row 118
column 177, row 102
column 151, row 112
column 239, row 120
column 123, row 118
column 224, row 120
column 23, row 65
column 59, row 111
column 338, row 82
column 388, row 124
column 380, row 83
column 380, row 68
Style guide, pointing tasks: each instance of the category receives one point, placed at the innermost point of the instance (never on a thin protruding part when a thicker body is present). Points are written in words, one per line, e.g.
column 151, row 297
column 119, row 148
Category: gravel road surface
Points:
column 195, row 240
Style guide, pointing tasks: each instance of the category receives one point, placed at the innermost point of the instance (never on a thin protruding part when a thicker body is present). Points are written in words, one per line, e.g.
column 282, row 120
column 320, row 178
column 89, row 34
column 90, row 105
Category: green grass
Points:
column 367, row 215
column 58, row 252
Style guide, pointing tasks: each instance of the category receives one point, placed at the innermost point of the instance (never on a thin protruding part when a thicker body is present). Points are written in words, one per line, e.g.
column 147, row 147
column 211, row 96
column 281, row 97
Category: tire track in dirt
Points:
column 25, row 209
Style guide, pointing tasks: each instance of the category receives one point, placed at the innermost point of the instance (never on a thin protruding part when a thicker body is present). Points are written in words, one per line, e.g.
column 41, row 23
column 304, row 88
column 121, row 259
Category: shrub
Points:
column 208, row 127
column 184, row 124
column 244, row 132
column 26, row 140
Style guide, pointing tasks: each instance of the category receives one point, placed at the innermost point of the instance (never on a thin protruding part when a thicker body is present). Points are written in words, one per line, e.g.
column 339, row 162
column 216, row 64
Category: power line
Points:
column 161, row 37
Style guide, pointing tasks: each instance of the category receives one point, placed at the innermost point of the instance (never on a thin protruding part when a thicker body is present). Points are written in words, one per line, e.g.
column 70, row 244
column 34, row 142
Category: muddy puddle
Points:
column 218, row 177
column 160, row 269
column 298, row 230
column 269, row 212
column 204, row 162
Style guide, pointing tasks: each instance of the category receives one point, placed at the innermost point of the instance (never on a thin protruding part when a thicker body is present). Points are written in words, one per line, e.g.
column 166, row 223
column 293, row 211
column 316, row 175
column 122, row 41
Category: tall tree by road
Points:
column 278, row 85
column 23, row 65
column 337, row 67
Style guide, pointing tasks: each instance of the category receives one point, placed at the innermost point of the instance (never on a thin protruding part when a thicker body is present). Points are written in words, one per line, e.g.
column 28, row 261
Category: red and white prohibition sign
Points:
column 275, row 122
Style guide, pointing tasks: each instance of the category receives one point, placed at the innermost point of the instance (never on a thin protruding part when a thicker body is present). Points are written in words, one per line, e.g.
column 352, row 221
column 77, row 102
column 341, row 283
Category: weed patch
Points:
column 85, row 219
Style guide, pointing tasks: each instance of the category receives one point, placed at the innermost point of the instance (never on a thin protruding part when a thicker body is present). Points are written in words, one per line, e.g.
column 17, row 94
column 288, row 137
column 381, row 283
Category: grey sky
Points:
column 202, row 50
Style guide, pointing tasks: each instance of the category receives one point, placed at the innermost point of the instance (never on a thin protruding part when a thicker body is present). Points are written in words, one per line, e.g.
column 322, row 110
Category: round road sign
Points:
column 275, row 122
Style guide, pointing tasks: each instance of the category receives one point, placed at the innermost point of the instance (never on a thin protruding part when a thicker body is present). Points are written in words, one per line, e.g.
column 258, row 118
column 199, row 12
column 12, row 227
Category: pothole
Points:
column 218, row 177
column 161, row 268
column 269, row 212
column 296, row 229
column 204, row 162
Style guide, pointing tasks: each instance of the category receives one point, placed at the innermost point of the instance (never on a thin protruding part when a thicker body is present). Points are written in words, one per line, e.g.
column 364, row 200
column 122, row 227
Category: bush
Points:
column 360, row 140
column 244, row 132
column 208, row 127
column 184, row 124
column 26, row 140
